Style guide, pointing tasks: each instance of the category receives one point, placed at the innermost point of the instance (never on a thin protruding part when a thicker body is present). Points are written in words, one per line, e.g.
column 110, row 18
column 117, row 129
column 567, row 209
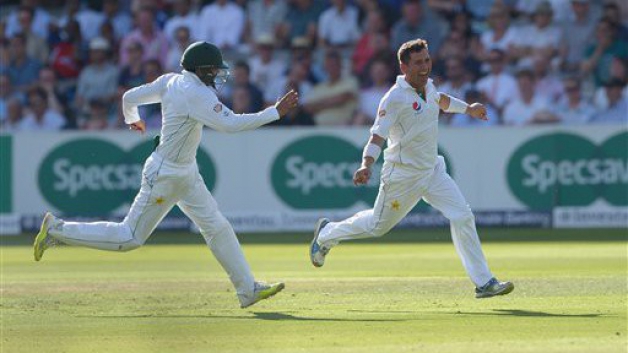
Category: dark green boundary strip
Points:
column 6, row 182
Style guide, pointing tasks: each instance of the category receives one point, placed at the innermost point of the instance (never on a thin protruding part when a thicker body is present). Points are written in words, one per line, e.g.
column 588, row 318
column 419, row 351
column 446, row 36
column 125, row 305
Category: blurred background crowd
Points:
column 64, row 64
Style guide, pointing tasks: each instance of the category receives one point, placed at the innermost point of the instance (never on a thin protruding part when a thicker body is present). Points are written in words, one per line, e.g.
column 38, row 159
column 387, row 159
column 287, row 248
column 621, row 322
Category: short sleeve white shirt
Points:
column 489, row 42
column 500, row 89
column 339, row 28
column 221, row 25
column 518, row 112
column 410, row 124
column 51, row 121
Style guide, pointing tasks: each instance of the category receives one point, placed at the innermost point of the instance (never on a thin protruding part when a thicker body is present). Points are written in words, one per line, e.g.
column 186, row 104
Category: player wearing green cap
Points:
column 170, row 175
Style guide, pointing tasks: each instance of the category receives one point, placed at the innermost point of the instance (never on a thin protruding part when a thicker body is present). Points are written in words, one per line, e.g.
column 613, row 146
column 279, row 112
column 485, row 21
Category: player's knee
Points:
column 219, row 225
column 130, row 245
column 463, row 217
column 131, row 241
column 380, row 230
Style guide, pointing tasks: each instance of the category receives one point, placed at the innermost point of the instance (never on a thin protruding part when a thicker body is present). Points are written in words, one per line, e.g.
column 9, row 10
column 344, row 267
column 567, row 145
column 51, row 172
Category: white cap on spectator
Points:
column 524, row 65
column 300, row 42
column 99, row 43
column 265, row 39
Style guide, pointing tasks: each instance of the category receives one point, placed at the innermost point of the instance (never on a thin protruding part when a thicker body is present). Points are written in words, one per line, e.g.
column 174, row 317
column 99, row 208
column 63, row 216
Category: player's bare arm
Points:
column 451, row 104
column 288, row 102
column 363, row 174
column 139, row 125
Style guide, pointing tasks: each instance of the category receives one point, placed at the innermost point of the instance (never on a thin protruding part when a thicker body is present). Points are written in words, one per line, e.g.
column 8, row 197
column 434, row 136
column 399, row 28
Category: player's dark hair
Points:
column 409, row 47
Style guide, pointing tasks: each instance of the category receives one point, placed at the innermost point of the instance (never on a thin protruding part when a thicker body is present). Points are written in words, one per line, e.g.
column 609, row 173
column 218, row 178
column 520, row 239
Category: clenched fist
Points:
column 362, row 175
column 477, row 110
column 139, row 125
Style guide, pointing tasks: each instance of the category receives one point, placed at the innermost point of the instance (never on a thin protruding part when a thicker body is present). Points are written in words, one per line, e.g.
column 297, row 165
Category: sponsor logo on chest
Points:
column 417, row 106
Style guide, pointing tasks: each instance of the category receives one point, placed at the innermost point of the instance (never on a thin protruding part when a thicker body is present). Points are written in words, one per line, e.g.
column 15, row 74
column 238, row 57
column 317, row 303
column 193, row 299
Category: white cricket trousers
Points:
column 401, row 188
column 163, row 185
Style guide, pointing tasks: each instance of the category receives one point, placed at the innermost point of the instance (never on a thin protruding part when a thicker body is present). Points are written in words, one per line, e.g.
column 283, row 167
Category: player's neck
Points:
column 418, row 88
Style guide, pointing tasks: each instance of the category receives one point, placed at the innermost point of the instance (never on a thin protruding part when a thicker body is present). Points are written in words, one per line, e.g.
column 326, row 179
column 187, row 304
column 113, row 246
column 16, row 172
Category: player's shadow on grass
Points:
column 270, row 316
column 528, row 313
column 275, row 316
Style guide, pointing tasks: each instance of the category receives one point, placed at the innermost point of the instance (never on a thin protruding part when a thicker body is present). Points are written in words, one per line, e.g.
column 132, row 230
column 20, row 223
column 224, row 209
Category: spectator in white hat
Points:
column 265, row 67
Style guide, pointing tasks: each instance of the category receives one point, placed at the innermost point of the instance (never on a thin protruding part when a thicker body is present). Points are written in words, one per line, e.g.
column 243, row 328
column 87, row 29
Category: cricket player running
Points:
column 412, row 170
column 170, row 175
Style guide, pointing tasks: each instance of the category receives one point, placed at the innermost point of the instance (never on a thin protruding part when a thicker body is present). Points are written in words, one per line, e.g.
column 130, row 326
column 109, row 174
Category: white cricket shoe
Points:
column 44, row 241
column 318, row 251
column 493, row 288
column 263, row 291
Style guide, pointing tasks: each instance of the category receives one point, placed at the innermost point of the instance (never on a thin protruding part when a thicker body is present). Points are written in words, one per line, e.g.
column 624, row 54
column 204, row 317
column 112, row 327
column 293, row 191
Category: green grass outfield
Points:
column 371, row 296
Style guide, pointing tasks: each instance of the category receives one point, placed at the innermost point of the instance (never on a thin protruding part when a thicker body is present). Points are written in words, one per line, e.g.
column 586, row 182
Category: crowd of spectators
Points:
column 66, row 65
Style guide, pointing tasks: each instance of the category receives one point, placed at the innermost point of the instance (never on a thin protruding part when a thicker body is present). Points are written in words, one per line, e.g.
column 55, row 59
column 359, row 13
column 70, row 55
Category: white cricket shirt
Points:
column 186, row 106
column 410, row 124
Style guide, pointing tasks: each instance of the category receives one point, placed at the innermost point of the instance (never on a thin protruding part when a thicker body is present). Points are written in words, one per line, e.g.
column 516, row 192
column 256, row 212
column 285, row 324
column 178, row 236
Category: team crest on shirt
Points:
column 418, row 107
column 218, row 108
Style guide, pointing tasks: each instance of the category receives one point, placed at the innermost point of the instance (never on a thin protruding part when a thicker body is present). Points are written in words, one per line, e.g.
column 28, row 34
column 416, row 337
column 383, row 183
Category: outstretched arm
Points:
column 220, row 118
column 450, row 104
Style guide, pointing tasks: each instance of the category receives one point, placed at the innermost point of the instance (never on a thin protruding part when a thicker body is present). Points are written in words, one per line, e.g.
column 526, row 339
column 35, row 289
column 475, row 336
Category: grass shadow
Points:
column 385, row 311
column 277, row 316
column 283, row 316
column 527, row 313
column 496, row 312
column 267, row 316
